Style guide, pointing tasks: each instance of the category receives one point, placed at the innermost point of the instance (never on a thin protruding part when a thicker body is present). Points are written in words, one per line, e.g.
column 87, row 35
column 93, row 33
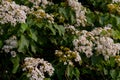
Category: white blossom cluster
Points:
column 79, row 10
column 10, row 12
column 10, row 44
column 38, row 2
column 71, row 29
column 98, row 40
column 68, row 57
column 115, row 1
column 107, row 47
column 40, row 13
column 82, row 44
column 37, row 68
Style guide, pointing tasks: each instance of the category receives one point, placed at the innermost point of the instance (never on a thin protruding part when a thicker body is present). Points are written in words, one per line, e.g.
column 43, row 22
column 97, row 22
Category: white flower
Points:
column 78, row 58
column 82, row 44
column 36, row 68
column 107, row 47
column 87, row 42
column 70, row 29
column 35, row 2
column 70, row 63
column 38, row 2
column 10, row 12
column 45, row 2
column 10, row 44
column 13, row 53
column 115, row 1
column 79, row 10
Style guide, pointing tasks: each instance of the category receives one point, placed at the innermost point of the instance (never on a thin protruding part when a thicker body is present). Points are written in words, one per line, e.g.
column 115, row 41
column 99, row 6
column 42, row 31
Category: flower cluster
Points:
column 67, row 56
column 82, row 44
column 98, row 40
column 37, row 68
column 38, row 2
column 107, row 47
column 114, row 8
column 115, row 1
column 79, row 10
column 10, row 12
column 40, row 14
column 71, row 29
column 10, row 44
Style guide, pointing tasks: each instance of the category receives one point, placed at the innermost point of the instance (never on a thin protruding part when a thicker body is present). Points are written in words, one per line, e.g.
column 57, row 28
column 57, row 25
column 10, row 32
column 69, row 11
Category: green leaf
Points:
column 33, row 47
column 24, row 26
column 53, row 40
column 96, row 59
column 72, row 18
column 60, row 29
column 112, row 61
column 60, row 71
column 113, row 73
column 15, row 61
column 117, row 20
column 105, row 71
column 33, row 35
column 40, row 25
column 57, row 27
column 118, row 77
column 116, row 34
column 49, row 26
column 24, row 76
column 1, row 43
column 69, row 71
column 63, row 12
column 23, row 44
column 76, row 73
column 90, row 18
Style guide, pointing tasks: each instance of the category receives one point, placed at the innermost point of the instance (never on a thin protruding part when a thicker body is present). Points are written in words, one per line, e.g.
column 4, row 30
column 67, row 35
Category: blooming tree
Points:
column 59, row 39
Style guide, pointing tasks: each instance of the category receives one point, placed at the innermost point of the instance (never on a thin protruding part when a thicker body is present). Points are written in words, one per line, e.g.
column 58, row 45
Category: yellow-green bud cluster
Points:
column 67, row 56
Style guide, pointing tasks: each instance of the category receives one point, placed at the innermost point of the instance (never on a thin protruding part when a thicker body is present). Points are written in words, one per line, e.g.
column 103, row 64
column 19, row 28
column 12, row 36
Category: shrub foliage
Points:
column 59, row 40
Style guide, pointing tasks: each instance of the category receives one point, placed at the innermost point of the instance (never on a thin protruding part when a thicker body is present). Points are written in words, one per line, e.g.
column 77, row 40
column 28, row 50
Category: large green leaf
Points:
column 24, row 26
column 72, row 18
column 60, row 29
column 23, row 44
column 113, row 73
column 76, row 72
column 70, row 71
column 118, row 77
column 15, row 61
column 39, row 25
column 33, row 47
column 63, row 12
column 33, row 35
column 60, row 71
column 105, row 71
column 112, row 61
column 50, row 27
